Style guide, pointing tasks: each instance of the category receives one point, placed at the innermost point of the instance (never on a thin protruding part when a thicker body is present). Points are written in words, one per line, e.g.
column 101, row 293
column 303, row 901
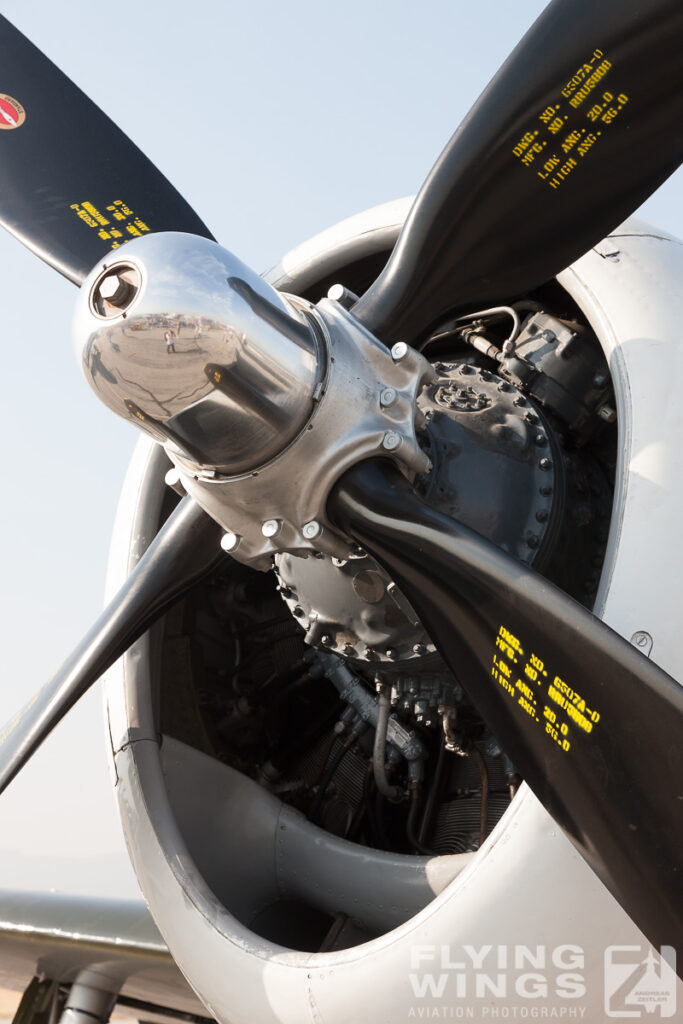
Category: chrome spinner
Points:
column 262, row 401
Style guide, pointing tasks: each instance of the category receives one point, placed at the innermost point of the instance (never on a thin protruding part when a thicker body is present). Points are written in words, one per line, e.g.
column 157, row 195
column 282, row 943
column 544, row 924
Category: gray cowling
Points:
column 263, row 859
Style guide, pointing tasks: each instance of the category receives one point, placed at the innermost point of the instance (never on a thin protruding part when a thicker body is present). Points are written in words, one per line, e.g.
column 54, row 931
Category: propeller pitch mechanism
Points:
column 266, row 403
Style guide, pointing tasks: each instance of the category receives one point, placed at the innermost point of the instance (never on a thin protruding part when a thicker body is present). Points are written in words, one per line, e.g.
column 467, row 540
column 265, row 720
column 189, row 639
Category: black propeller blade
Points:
column 184, row 551
column 593, row 726
column 582, row 122
column 72, row 185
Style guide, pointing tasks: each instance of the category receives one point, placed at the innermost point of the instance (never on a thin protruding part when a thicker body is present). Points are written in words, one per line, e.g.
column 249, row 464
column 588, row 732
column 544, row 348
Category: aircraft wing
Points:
column 58, row 936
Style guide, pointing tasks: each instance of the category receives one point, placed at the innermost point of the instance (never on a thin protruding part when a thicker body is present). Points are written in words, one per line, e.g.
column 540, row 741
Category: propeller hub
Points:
column 260, row 399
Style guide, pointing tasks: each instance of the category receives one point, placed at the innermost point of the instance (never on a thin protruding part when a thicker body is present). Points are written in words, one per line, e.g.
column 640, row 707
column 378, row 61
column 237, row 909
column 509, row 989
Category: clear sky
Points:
column 275, row 120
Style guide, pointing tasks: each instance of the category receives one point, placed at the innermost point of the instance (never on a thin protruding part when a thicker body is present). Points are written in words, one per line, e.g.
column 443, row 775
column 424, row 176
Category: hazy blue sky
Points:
column 275, row 120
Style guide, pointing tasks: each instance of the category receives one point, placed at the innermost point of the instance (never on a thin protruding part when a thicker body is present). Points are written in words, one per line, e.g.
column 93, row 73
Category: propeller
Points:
column 580, row 125
column 593, row 726
column 185, row 550
column 73, row 187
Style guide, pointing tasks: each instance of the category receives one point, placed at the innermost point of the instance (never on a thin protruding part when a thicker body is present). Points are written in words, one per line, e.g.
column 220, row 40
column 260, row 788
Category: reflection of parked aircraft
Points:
column 316, row 781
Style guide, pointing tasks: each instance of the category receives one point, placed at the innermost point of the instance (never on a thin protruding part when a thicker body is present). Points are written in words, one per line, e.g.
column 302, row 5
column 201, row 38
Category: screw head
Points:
column 312, row 530
column 391, row 653
column 327, row 640
column 391, row 441
column 545, row 464
column 419, row 649
column 270, row 528
column 399, row 350
column 229, row 541
column 388, row 397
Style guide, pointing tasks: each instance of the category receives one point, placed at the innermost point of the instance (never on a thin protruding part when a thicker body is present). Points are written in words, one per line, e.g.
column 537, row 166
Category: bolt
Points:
column 391, row 653
column 388, row 397
column 530, row 418
column 520, row 400
column 542, row 515
column 546, row 490
column 399, row 350
column 391, row 441
column 349, row 650
column 532, row 540
column 229, row 541
column 344, row 296
column 466, row 368
column 109, row 286
column 116, row 290
column 312, row 530
column 549, row 336
column 299, row 612
column 270, row 528
column 541, row 440
column 607, row 413
column 174, row 481
column 599, row 380
column 327, row 640
column 545, row 464
column 419, row 649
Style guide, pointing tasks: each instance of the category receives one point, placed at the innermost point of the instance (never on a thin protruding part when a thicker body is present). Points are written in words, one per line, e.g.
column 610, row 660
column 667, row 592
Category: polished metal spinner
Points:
column 261, row 400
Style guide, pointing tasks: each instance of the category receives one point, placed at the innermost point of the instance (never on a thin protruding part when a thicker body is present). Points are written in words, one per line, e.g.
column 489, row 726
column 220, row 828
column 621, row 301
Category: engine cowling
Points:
column 216, row 851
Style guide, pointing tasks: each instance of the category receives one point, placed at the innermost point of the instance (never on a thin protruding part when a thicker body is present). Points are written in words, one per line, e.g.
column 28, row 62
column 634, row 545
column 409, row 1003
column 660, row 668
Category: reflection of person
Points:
column 169, row 337
column 94, row 362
